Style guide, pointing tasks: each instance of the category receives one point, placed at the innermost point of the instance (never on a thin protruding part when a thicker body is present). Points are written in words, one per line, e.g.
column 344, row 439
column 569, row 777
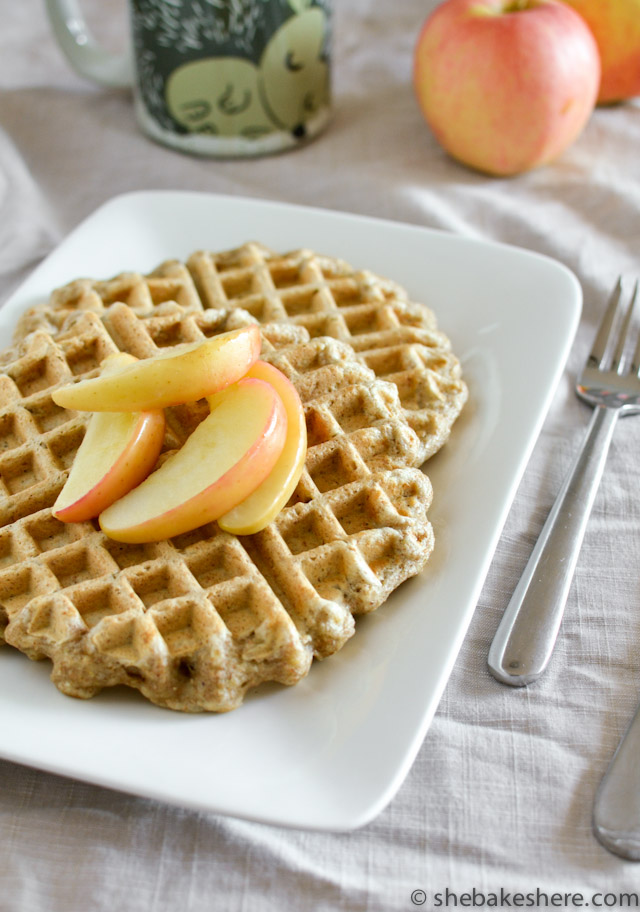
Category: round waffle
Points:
column 395, row 337
column 195, row 621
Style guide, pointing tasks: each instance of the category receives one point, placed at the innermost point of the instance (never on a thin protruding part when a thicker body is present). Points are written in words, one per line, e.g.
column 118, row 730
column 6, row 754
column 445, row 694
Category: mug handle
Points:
column 84, row 53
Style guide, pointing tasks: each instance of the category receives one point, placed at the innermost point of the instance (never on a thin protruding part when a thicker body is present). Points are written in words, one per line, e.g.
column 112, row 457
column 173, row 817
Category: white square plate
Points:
column 332, row 751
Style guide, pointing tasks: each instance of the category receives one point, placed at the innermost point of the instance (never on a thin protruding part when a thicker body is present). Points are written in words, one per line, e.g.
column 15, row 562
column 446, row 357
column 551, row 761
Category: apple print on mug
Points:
column 245, row 78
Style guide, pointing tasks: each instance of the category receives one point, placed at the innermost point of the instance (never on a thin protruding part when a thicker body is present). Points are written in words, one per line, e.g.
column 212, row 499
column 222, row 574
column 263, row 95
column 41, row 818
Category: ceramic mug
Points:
column 215, row 77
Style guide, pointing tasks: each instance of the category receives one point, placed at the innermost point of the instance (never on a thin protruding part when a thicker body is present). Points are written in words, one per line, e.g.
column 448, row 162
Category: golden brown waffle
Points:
column 193, row 622
column 396, row 338
column 169, row 282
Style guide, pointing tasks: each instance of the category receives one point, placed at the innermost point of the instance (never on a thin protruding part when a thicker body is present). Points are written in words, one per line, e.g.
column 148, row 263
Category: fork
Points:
column 527, row 633
column 616, row 809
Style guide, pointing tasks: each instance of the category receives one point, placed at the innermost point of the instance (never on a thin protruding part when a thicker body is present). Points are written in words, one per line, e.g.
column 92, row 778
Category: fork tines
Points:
column 603, row 354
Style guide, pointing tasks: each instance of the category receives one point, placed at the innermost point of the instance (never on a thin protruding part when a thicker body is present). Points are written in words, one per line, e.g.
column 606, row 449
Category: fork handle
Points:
column 616, row 812
column 525, row 638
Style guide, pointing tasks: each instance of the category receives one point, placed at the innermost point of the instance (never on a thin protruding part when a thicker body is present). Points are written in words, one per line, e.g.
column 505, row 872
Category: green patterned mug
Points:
column 215, row 77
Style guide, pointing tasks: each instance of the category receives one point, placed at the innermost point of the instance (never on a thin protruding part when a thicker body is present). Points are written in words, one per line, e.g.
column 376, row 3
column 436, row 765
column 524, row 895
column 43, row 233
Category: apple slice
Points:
column 181, row 374
column 118, row 450
column 228, row 455
column 259, row 508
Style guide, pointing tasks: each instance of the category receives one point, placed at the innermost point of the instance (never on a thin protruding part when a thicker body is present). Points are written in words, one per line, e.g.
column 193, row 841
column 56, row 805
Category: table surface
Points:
column 499, row 799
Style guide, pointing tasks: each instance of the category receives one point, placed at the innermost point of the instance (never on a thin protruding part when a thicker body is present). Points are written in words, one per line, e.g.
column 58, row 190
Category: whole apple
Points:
column 616, row 28
column 506, row 85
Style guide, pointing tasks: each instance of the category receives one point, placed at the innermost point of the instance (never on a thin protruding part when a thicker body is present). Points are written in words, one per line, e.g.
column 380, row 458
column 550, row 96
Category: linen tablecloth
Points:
column 500, row 797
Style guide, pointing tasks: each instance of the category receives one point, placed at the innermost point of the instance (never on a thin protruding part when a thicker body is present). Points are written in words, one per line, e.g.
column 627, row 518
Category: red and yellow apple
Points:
column 616, row 27
column 264, row 504
column 506, row 85
column 223, row 461
column 118, row 450
column 183, row 373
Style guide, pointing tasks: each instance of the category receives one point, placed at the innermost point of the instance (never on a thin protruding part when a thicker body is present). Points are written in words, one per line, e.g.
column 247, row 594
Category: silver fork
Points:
column 527, row 633
column 616, row 810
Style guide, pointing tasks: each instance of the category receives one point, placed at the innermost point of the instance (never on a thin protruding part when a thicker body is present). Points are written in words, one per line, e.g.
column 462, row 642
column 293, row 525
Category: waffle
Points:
column 170, row 282
column 396, row 338
column 195, row 621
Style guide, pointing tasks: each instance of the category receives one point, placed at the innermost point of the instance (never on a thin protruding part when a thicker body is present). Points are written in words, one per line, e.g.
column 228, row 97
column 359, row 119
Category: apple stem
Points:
column 516, row 6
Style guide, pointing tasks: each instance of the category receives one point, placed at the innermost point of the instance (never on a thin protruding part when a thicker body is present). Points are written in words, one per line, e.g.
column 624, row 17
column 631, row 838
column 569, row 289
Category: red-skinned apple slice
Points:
column 261, row 507
column 118, row 450
column 185, row 373
column 228, row 455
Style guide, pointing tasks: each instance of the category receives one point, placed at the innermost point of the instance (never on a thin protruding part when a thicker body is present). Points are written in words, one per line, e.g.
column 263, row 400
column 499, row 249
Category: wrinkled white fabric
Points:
column 501, row 793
